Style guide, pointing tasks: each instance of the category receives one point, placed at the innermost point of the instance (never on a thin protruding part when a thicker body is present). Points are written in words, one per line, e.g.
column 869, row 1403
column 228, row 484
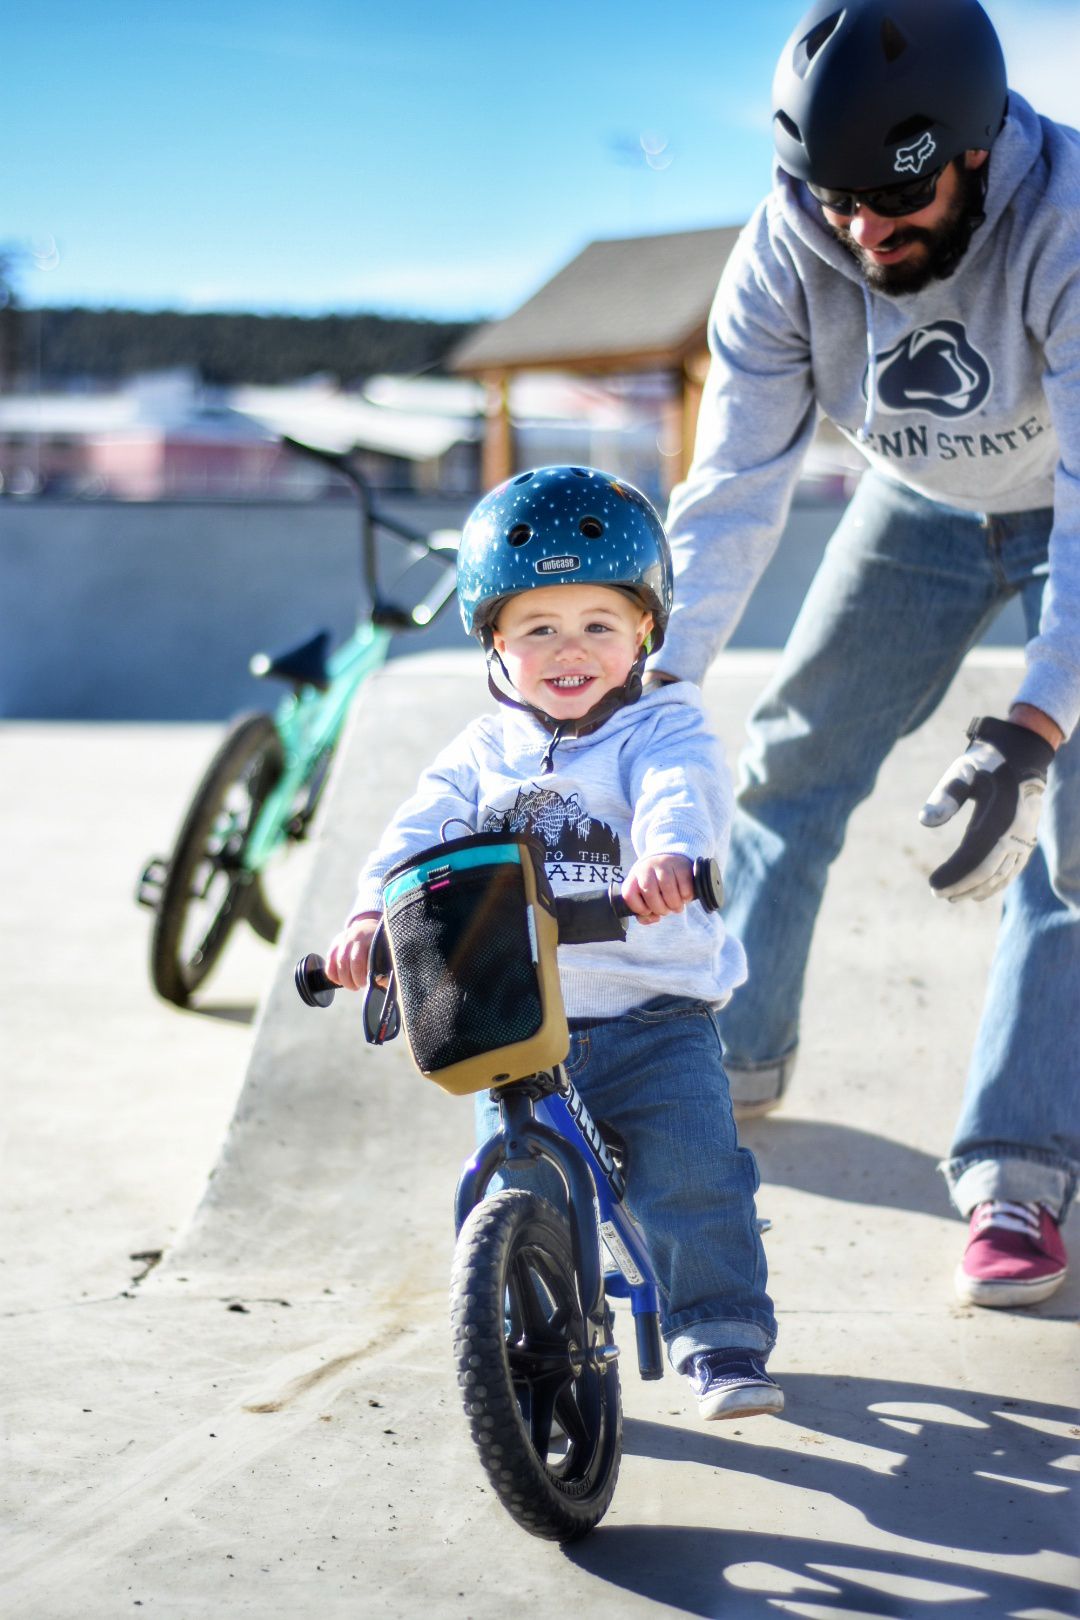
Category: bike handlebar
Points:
column 312, row 985
column 594, row 919
column 332, row 459
column 582, row 921
column 435, row 545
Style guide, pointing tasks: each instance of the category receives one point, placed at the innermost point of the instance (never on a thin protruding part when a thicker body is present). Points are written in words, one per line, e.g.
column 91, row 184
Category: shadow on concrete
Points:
column 839, row 1161
column 238, row 1013
column 725, row 1573
column 961, row 1472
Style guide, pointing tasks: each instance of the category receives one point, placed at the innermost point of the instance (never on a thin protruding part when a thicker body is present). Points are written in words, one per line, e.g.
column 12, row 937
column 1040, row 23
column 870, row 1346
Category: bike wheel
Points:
column 207, row 890
column 546, row 1422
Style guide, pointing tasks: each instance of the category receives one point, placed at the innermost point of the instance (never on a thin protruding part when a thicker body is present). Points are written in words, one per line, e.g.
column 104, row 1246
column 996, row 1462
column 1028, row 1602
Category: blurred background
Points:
column 452, row 241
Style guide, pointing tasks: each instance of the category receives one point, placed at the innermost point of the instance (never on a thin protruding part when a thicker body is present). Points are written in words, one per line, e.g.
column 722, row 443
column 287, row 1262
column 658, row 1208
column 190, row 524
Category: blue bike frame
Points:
column 545, row 1118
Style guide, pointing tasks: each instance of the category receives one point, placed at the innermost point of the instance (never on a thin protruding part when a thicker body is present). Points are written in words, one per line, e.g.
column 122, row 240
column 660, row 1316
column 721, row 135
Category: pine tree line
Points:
column 112, row 344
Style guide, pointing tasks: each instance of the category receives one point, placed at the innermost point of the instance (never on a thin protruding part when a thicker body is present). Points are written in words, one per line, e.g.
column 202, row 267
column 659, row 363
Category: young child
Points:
column 564, row 574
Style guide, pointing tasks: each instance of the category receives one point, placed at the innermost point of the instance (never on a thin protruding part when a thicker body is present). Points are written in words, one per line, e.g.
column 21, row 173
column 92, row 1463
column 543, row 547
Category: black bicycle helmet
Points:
column 870, row 93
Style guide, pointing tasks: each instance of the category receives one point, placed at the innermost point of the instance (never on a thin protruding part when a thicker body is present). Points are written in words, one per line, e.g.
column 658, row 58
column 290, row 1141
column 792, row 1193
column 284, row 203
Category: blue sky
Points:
column 421, row 157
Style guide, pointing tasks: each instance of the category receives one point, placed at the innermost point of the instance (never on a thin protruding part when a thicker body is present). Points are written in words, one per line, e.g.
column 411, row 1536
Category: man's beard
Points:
column 946, row 244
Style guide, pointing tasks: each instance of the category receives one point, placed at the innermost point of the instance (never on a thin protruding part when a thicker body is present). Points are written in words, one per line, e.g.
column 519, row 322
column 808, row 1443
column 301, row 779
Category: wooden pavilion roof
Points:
column 626, row 304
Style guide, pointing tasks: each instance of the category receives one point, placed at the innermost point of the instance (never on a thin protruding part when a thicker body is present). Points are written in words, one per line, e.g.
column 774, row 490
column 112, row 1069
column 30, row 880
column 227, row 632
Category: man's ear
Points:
column 975, row 158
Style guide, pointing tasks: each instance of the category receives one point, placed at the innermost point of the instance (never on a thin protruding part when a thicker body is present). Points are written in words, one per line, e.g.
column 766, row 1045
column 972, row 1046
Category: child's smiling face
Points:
column 565, row 646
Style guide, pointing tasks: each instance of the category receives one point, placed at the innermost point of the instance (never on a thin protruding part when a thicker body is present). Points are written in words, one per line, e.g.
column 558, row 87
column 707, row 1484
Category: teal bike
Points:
column 261, row 790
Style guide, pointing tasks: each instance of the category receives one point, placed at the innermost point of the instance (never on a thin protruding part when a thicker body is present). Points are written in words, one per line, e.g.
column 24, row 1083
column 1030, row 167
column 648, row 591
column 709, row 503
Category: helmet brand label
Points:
column 558, row 565
column 912, row 159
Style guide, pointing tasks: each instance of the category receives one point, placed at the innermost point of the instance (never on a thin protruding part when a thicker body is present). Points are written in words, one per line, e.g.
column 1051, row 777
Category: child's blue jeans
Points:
column 655, row 1074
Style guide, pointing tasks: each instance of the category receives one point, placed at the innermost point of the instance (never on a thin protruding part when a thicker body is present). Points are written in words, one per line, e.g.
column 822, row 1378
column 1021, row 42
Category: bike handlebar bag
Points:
column 472, row 933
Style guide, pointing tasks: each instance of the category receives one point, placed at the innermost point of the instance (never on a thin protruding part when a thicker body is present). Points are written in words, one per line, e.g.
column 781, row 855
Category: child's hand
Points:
column 658, row 885
column 347, row 958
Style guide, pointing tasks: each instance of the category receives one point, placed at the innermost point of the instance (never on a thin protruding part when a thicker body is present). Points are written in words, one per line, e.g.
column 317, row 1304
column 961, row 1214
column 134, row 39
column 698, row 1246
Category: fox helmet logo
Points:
column 933, row 369
column 912, row 159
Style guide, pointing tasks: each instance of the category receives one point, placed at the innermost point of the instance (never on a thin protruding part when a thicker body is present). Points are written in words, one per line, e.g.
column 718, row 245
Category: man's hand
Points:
column 1003, row 771
column 347, row 958
column 658, row 885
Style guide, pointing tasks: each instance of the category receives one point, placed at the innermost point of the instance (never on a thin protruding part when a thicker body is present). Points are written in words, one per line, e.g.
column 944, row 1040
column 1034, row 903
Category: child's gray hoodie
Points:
column 652, row 779
column 968, row 392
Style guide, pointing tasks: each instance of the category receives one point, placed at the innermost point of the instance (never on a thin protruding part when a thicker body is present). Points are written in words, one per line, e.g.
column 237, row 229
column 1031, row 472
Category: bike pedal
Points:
column 151, row 882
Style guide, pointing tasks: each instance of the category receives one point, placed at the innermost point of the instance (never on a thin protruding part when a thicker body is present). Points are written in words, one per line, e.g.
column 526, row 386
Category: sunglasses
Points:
column 891, row 202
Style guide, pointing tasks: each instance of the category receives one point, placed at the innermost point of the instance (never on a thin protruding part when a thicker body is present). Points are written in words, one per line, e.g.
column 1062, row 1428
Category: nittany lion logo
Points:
column 933, row 369
column 911, row 159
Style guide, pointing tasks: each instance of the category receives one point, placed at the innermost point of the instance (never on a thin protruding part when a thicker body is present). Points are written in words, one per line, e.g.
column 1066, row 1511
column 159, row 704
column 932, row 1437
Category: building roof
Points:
column 416, row 426
column 622, row 304
column 322, row 415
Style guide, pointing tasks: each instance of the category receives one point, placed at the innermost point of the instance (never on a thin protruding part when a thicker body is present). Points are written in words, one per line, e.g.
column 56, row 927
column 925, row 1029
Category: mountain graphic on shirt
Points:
column 564, row 827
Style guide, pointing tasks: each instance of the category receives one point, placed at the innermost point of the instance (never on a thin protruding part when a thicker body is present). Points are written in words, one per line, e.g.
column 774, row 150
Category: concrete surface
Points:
column 266, row 1422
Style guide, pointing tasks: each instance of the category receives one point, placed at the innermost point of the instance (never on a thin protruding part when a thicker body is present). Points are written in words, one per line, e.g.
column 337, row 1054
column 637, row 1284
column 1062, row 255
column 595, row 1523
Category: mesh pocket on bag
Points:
column 465, row 963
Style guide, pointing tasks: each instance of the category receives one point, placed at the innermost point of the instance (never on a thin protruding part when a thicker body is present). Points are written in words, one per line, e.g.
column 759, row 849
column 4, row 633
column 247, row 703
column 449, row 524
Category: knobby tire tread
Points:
column 514, row 1469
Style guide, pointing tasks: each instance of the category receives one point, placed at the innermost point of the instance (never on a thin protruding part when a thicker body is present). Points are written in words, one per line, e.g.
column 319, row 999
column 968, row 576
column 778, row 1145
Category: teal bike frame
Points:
column 262, row 788
column 309, row 723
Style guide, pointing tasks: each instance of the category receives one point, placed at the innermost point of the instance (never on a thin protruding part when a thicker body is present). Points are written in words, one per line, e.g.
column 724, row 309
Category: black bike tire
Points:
column 251, row 745
column 495, row 1234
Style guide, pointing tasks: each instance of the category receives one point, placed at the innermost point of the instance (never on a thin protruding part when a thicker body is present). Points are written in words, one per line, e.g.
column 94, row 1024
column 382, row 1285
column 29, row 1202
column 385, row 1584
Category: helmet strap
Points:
column 619, row 697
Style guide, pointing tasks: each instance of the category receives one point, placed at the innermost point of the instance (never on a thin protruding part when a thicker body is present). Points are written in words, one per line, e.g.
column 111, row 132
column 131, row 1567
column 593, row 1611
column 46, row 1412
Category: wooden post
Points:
column 695, row 368
column 670, row 442
column 497, row 462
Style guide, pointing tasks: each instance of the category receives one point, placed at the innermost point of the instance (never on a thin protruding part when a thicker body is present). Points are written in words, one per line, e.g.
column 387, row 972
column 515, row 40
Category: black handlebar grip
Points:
column 601, row 917
column 312, row 985
column 708, row 884
column 708, row 888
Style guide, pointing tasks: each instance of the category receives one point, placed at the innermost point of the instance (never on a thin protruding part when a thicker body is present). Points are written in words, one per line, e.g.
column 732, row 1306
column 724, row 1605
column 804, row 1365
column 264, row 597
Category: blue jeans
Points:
column 906, row 587
column 656, row 1076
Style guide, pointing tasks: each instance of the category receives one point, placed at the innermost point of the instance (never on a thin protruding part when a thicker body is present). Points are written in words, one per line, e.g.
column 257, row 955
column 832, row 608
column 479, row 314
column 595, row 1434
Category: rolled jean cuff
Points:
column 1025, row 1178
column 753, row 1084
column 718, row 1333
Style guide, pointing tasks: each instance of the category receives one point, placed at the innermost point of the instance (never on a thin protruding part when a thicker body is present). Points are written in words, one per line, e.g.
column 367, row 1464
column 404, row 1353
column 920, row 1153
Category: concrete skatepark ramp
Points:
column 268, row 1420
column 324, row 1123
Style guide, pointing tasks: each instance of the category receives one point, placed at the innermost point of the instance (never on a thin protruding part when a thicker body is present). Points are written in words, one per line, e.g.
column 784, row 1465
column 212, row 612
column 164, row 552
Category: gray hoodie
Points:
column 652, row 779
column 967, row 392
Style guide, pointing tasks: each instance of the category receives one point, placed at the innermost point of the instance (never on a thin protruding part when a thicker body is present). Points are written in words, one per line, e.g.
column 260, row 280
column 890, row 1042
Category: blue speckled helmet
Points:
column 562, row 526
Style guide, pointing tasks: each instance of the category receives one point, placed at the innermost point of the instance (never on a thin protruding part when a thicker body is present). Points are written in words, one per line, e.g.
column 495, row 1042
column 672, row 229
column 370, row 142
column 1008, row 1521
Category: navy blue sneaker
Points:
column 733, row 1384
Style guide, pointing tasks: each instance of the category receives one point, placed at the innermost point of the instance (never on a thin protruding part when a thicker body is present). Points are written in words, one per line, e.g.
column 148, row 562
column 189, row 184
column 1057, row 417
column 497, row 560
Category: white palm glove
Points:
column 1003, row 771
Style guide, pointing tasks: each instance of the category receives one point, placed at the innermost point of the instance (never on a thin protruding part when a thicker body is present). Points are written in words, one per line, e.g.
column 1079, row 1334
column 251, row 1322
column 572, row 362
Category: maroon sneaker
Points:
column 1015, row 1255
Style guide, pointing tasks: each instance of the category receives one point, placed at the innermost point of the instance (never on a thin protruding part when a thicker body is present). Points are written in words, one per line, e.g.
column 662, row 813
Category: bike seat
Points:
column 300, row 666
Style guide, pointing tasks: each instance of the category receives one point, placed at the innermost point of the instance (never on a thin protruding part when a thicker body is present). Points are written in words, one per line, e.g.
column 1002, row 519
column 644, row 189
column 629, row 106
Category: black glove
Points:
column 1004, row 772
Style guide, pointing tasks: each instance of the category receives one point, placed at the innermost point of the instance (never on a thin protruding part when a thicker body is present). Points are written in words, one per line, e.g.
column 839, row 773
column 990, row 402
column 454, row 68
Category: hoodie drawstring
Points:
column 547, row 763
column 863, row 435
